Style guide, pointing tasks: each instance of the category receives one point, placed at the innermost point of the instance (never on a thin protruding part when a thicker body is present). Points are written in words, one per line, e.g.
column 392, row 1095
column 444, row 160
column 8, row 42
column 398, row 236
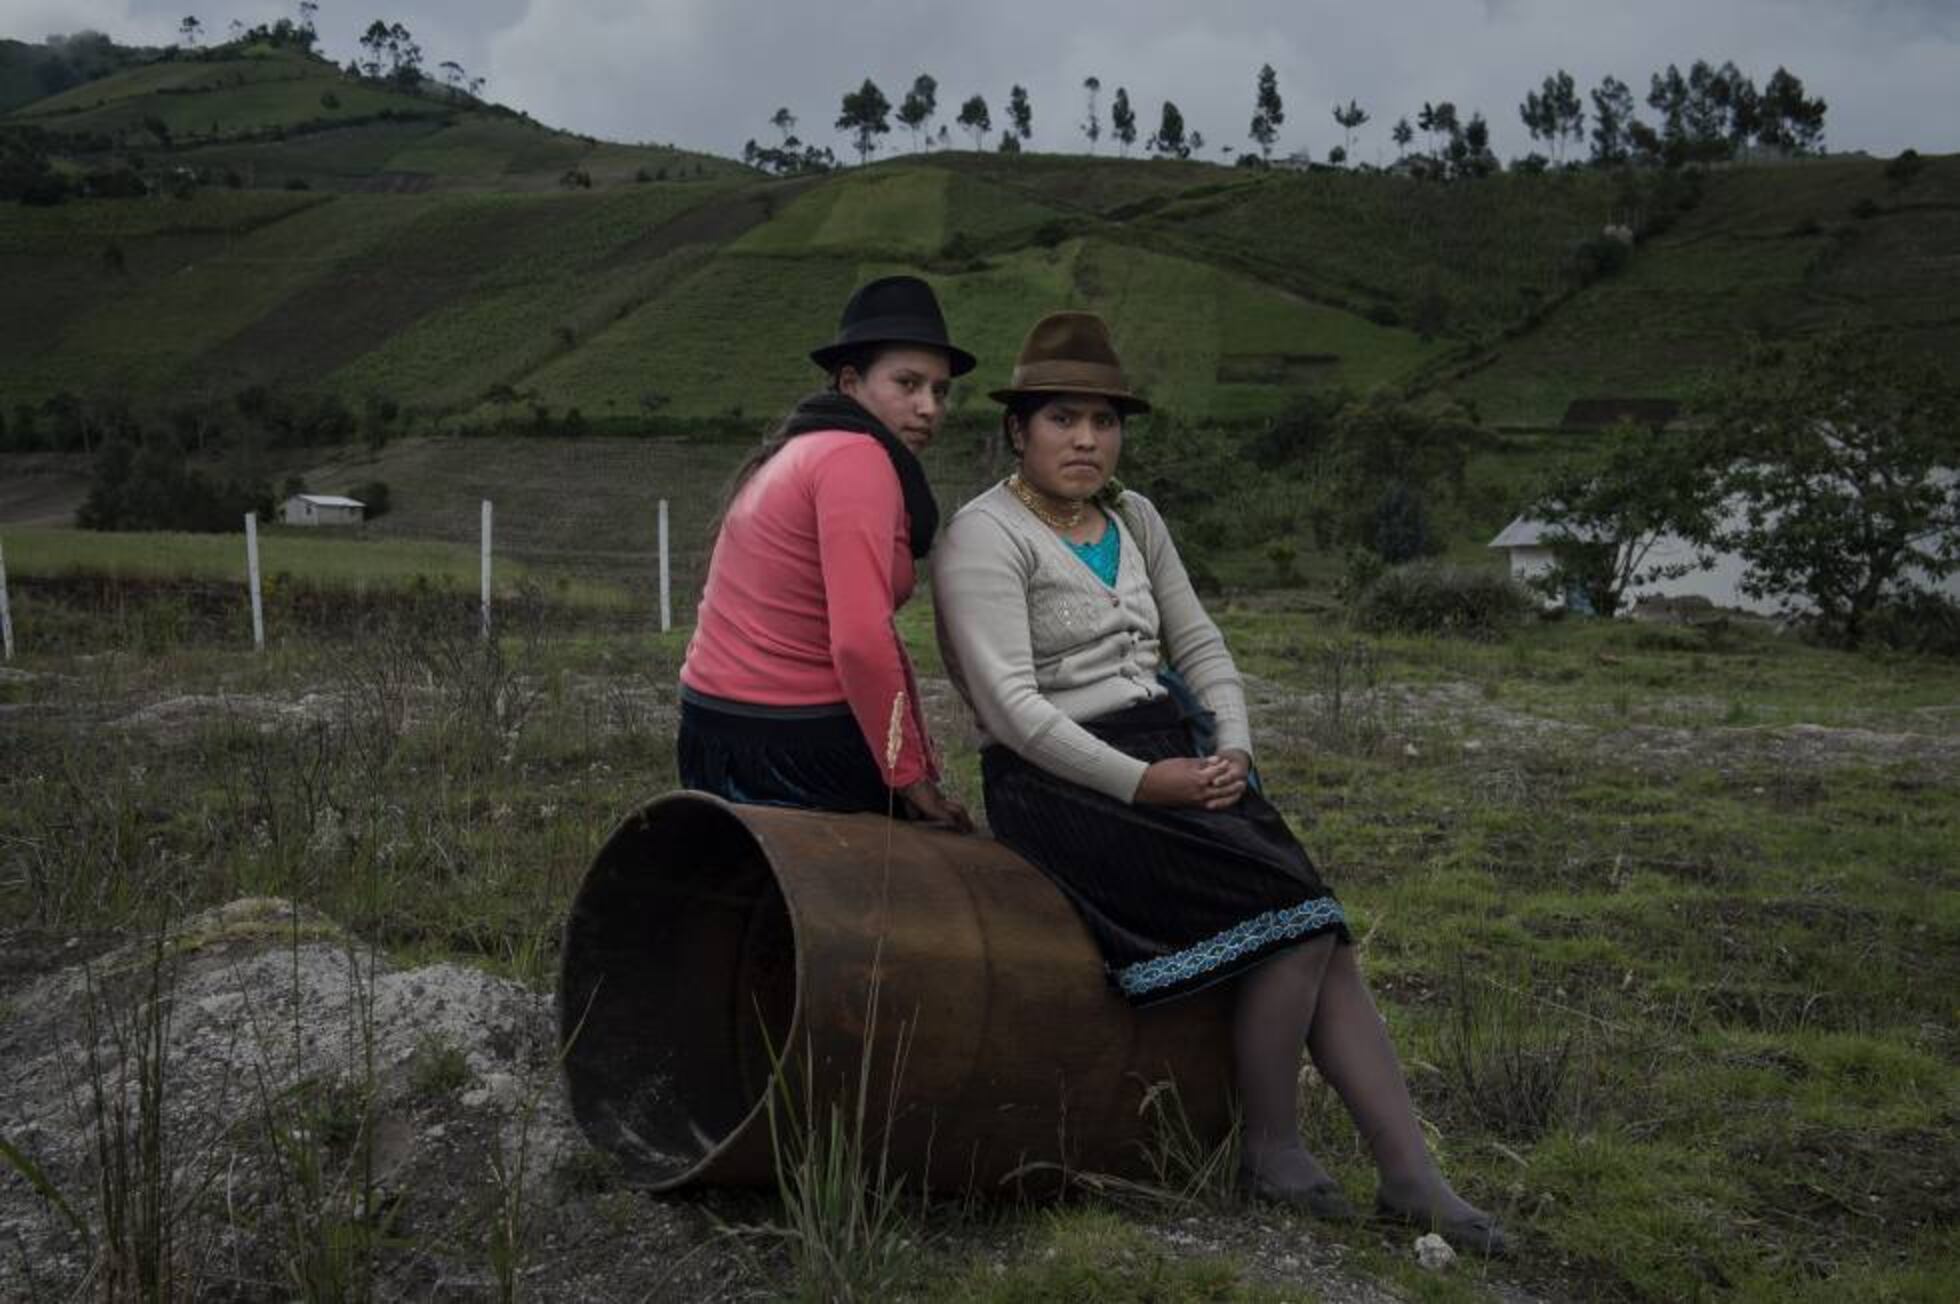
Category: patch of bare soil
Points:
column 277, row 1030
column 714, row 222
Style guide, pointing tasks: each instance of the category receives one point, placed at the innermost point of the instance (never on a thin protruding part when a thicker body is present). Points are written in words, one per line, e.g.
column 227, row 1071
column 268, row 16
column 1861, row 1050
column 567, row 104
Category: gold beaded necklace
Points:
column 1036, row 501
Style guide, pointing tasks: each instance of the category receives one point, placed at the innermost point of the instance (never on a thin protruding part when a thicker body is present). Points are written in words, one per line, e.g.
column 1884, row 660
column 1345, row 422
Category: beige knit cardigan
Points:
column 1036, row 642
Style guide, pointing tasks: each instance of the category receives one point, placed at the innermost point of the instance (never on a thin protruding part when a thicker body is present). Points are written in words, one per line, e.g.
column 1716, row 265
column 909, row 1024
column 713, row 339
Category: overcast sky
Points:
column 707, row 74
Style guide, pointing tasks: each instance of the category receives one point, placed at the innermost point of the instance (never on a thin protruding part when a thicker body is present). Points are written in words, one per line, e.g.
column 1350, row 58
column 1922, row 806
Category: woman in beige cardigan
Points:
column 1062, row 607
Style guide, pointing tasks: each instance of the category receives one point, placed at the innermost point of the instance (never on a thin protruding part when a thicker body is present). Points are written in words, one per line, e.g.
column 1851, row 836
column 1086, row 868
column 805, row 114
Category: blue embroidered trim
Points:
column 1214, row 952
column 1104, row 556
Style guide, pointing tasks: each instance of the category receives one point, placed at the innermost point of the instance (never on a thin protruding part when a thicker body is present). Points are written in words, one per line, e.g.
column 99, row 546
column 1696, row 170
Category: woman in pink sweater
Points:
column 797, row 690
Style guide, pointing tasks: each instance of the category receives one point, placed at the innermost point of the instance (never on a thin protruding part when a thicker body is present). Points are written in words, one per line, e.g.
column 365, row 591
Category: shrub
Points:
column 1917, row 622
column 1430, row 598
column 1901, row 170
column 373, row 496
column 152, row 489
column 114, row 183
column 438, row 1067
column 1507, row 1066
column 1599, row 258
column 1363, row 568
column 1052, row 233
column 1401, row 527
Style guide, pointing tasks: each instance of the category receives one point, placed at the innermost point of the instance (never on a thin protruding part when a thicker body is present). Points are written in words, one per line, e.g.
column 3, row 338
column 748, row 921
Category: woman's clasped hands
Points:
column 1209, row 782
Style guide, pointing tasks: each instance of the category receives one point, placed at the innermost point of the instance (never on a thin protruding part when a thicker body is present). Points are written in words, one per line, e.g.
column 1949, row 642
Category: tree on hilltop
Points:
column 1787, row 120
column 1553, row 113
column 1092, row 125
column 1123, row 121
column 865, row 114
column 1169, row 138
column 1613, row 122
column 1349, row 118
column 975, row 118
column 395, row 44
column 784, row 121
column 1268, row 113
column 1568, row 112
column 1470, row 152
column 1020, row 116
column 920, row 103
column 1698, row 110
column 191, row 30
column 1438, row 123
column 1402, row 134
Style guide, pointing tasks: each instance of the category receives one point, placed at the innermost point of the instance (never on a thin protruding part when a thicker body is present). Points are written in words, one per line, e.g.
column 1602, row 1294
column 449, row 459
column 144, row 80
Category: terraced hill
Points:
column 355, row 238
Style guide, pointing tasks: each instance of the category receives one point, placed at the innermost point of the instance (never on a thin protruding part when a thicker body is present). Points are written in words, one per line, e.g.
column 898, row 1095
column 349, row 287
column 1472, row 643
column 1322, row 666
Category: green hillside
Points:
column 349, row 237
column 34, row 72
column 274, row 116
column 1770, row 252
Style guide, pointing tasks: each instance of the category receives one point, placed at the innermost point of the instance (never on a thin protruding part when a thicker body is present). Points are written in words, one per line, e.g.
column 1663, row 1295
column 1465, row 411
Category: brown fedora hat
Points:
column 1071, row 353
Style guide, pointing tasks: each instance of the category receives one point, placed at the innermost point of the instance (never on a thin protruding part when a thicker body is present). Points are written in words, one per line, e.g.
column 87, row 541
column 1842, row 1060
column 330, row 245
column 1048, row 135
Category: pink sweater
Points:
column 810, row 564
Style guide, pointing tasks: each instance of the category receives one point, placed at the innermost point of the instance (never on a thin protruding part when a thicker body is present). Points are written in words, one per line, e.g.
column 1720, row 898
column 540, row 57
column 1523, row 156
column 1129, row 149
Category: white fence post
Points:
column 6, row 611
column 252, row 570
column 666, row 598
column 486, row 568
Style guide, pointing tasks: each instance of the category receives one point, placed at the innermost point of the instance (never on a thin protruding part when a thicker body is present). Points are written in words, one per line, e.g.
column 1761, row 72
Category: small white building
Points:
column 1525, row 542
column 322, row 509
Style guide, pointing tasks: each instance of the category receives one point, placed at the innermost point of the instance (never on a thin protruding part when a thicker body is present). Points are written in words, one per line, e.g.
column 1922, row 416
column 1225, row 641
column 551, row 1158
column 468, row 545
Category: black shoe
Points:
column 1477, row 1233
column 1322, row 1199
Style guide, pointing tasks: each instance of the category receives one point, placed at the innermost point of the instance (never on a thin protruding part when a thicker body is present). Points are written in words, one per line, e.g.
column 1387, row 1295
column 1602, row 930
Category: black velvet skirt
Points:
column 1176, row 899
column 814, row 757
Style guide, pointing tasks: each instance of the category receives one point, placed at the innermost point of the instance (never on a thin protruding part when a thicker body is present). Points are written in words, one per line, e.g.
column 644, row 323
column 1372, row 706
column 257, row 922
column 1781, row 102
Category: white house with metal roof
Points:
column 322, row 509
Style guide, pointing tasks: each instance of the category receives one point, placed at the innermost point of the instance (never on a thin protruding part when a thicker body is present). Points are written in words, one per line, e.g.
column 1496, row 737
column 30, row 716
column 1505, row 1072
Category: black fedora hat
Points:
column 892, row 310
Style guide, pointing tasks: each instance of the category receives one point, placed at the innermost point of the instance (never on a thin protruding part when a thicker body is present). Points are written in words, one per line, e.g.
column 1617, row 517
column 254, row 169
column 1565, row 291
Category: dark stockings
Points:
column 1269, row 1025
column 1350, row 1047
column 1314, row 994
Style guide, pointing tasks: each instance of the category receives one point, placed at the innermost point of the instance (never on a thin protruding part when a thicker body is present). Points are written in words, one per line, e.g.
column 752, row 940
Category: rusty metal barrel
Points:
column 713, row 946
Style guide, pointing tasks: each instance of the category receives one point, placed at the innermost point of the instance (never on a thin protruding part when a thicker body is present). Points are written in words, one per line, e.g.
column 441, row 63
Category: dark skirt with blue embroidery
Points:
column 812, row 756
column 1176, row 899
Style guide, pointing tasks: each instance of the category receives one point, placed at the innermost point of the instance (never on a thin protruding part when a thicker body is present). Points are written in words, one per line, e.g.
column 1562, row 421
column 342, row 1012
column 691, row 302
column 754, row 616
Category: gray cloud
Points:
column 708, row 73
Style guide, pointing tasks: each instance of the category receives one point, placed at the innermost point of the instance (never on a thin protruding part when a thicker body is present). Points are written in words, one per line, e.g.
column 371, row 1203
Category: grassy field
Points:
column 1662, row 919
column 355, row 561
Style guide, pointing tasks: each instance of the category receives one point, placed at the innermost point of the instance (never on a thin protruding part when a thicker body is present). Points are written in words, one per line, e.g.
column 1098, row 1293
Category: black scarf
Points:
column 829, row 410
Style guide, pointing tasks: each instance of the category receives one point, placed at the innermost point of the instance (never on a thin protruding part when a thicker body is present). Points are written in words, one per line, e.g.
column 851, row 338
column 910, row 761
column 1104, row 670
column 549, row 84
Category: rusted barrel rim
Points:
column 617, row 850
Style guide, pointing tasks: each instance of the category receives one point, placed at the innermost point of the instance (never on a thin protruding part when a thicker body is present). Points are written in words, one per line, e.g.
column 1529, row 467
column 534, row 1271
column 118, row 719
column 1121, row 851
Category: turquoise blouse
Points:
column 1104, row 555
